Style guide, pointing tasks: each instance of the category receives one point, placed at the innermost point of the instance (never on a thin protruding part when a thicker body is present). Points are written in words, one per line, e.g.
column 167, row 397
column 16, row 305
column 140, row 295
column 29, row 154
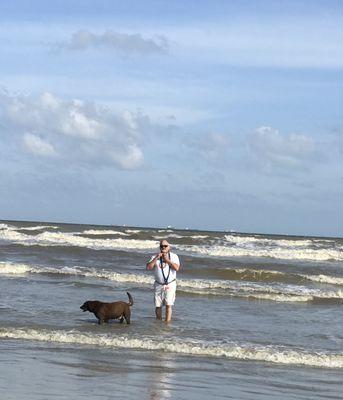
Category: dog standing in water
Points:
column 106, row 311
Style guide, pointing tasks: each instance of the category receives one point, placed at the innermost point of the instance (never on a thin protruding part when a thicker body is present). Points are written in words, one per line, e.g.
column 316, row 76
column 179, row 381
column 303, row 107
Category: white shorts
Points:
column 164, row 294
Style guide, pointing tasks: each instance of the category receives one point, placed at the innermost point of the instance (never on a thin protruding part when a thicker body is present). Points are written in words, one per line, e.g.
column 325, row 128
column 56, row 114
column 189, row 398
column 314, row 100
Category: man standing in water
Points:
column 165, row 265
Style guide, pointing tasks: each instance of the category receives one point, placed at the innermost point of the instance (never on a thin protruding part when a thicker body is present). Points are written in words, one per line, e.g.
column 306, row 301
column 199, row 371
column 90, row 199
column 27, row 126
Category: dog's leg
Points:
column 127, row 316
column 121, row 319
column 100, row 319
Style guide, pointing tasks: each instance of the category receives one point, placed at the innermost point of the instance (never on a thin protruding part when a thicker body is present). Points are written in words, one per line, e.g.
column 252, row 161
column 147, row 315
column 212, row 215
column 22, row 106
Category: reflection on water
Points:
column 161, row 377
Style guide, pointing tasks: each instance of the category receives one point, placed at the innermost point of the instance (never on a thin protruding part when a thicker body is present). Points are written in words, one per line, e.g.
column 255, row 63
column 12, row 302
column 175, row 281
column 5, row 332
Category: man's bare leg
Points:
column 168, row 313
column 158, row 312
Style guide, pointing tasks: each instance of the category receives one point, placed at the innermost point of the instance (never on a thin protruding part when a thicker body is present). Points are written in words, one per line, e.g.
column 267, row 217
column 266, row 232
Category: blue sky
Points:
column 197, row 114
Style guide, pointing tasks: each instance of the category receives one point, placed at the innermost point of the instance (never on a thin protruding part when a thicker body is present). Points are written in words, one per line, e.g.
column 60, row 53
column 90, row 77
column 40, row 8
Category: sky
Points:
column 214, row 115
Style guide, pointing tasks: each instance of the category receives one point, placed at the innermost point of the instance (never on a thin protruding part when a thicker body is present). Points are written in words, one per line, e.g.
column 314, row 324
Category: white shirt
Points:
column 168, row 271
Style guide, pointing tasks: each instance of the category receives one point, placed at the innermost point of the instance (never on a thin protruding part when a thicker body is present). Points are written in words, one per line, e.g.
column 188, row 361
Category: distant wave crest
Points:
column 227, row 246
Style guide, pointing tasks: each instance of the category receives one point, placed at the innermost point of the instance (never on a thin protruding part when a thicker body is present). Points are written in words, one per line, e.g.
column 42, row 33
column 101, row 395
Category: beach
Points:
column 256, row 316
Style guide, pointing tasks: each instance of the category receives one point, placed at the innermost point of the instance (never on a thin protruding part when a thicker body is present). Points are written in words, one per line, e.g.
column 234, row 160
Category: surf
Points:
column 194, row 348
column 204, row 287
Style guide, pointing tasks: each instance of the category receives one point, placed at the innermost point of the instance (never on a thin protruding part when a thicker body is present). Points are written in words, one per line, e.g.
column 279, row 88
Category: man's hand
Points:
column 165, row 257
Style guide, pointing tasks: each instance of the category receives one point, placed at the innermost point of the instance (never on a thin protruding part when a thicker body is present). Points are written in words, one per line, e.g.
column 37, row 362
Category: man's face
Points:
column 164, row 246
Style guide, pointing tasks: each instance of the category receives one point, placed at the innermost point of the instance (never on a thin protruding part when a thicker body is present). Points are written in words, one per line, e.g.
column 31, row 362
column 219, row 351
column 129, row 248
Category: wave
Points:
column 73, row 239
column 23, row 269
column 169, row 236
column 5, row 226
column 241, row 240
column 250, row 274
column 305, row 254
column 190, row 347
column 229, row 246
column 247, row 290
column 103, row 232
column 199, row 236
column 333, row 280
column 37, row 228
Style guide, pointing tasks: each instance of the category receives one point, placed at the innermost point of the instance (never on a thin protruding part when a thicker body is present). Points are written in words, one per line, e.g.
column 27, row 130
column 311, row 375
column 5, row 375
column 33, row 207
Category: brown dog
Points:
column 107, row 311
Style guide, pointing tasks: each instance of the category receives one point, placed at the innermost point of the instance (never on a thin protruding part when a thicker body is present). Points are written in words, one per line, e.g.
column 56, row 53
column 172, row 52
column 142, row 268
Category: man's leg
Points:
column 168, row 313
column 158, row 312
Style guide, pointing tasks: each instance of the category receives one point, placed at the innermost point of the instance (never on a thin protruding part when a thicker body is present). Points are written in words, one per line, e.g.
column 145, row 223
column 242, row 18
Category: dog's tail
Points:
column 130, row 299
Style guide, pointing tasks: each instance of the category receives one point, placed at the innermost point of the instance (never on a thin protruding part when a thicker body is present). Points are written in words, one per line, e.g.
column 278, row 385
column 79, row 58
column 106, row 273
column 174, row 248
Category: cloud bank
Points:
column 275, row 150
column 74, row 130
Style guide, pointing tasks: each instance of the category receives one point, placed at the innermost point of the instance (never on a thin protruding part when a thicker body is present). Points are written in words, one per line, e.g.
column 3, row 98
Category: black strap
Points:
column 162, row 284
column 164, row 277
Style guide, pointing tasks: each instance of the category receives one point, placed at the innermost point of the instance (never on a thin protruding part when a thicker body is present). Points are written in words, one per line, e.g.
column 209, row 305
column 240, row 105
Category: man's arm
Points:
column 173, row 265
column 151, row 264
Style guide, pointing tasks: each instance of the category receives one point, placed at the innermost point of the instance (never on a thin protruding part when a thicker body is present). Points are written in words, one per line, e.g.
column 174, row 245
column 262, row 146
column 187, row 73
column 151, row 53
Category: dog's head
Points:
column 85, row 306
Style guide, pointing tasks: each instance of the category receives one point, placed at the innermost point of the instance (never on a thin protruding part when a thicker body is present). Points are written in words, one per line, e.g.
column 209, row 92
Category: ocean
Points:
column 256, row 316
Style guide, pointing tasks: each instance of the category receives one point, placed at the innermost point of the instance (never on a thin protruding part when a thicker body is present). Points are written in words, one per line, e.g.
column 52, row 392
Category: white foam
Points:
column 232, row 247
column 4, row 226
column 104, row 232
column 333, row 280
column 15, row 269
column 287, row 253
column 22, row 269
column 199, row 236
column 190, row 347
column 37, row 227
column 324, row 279
column 275, row 292
column 72, row 239
column 256, row 272
column 169, row 235
column 242, row 240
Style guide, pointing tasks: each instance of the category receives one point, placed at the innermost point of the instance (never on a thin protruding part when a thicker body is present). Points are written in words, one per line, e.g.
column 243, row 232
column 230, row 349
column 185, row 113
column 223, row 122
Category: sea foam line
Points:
column 74, row 239
column 252, row 290
column 245, row 247
column 282, row 253
column 262, row 274
column 37, row 227
column 22, row 269
column 249, row 352
column 103, row 232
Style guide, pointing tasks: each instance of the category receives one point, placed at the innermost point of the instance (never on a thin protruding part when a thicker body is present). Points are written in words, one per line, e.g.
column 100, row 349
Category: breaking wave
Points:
column 103, row 232
column 225, row 246
column 262, row 275
column 219, row 287
column 287, row 253
column 190, row 347
column 73, row 239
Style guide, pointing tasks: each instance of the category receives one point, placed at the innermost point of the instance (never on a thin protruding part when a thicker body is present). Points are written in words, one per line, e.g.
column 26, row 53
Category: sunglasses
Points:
column 164, row 246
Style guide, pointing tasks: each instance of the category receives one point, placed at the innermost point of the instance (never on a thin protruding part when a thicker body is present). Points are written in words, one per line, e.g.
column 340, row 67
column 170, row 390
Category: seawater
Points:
column 256, row 316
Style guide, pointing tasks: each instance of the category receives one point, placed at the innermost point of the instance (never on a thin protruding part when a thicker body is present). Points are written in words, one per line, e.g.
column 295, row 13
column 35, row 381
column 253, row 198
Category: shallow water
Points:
column 256, row 316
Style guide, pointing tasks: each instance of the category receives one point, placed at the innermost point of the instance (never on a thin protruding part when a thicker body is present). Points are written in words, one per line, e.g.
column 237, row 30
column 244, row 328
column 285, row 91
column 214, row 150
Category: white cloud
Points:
column 274, row 149
column 74, row 130
column 122, row 42
column 131, row 159
column 36, row 145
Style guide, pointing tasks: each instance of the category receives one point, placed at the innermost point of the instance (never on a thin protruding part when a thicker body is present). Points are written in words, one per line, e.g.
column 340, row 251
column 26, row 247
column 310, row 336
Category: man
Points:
column 165, row 265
